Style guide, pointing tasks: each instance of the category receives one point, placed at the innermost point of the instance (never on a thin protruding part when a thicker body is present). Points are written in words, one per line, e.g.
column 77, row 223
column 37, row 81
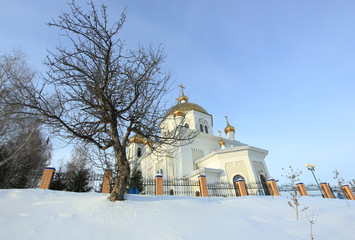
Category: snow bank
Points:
column 44, row 214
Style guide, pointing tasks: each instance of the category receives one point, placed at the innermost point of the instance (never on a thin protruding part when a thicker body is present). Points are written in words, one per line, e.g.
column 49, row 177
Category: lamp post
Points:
column 310, row 167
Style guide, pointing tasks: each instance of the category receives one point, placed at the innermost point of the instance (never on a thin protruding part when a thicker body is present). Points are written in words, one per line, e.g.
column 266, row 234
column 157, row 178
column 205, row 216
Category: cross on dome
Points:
column 229, row 128
column 182, row 89
column 183, row 98
column 221, row 142
column 227, row 120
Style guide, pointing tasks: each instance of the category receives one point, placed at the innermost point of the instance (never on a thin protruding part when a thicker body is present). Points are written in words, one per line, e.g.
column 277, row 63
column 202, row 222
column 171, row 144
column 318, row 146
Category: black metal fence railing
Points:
column 224, row 189
column 181, row 187
column 221, row 189
column 95, row 181
column 148, row 187
column 173, row 187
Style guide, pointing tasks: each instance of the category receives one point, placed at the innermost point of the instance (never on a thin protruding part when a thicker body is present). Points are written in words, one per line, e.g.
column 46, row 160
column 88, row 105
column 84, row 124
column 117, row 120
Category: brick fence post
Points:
column 326, row 190
column 273, row 187
column 47, row 178
column 158, row 184
column 106, row 184
column 348, row 193
column 203, row 185
column 301, row 189
column 242, row 191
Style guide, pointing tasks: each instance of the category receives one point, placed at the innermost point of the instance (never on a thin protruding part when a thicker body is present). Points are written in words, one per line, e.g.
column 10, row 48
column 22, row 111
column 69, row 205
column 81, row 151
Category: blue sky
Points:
column 282, row 71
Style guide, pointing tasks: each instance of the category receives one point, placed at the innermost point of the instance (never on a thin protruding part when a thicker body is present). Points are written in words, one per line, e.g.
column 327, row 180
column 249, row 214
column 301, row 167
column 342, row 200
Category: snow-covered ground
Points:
column 45, row 214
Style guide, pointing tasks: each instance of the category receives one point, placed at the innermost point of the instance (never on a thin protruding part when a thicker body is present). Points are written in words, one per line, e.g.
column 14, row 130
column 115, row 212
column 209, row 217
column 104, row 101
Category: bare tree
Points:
column 24, row 150
column 98, row 92
column 13, row 69
column 23, row 158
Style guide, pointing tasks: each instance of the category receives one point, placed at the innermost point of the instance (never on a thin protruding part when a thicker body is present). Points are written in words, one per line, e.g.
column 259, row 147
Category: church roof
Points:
column 186, row 106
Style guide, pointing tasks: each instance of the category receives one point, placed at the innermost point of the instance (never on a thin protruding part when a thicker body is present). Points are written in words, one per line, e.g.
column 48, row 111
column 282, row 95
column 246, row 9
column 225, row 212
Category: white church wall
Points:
column 186, row 160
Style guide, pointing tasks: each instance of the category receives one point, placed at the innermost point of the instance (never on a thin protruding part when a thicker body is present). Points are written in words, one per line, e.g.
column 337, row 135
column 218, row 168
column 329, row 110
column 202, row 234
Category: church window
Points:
column 201, row 128
column 139, row 152
column 206, row 129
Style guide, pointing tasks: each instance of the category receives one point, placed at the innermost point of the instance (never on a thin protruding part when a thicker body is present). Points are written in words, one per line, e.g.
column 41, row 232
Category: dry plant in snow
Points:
column 312, row 220
column 293, row 177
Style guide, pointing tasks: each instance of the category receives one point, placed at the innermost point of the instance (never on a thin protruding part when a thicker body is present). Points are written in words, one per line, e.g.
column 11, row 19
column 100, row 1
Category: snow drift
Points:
column 45, row 214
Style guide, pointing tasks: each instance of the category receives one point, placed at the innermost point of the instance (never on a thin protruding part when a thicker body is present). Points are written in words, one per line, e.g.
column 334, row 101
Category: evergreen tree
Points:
column 59, row 180
column 78, row 180
column 136, row 180
column 78, row 173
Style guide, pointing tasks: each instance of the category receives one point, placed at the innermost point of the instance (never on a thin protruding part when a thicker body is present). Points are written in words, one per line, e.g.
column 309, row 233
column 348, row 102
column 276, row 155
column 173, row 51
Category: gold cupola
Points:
column 136, row 139
column 183, row 98
column 179, row 113
column 221, row 142
column 149, row 142
column 229, row 128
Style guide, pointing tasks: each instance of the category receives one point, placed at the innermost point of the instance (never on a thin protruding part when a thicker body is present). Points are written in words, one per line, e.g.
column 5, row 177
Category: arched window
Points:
column 201, row 128
column 206, row 129
column 139, row 152
column 186, row 125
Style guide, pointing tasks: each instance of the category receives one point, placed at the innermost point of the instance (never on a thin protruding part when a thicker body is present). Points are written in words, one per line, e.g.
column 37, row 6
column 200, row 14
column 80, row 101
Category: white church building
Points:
column 220, row 159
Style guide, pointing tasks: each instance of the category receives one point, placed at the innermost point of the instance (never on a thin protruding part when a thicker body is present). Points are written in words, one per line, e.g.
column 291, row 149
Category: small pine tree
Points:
column 59, row 180
column 78, row 180
column 78, row 173
column 136, row 180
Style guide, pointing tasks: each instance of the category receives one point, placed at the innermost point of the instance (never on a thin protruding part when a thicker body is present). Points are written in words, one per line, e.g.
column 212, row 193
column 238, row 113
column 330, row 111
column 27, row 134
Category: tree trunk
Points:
column 122, row 181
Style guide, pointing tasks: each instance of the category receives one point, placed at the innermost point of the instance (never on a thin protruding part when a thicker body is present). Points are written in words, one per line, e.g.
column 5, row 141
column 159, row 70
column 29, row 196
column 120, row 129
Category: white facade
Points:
column 220, row 159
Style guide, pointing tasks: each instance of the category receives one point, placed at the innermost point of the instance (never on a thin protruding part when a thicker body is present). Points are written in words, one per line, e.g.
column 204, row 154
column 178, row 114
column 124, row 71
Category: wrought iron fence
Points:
column 178, row 187
column 221, row 189
column 148, row 187
column 192, row 188
column 181, row 187
column 95, row 181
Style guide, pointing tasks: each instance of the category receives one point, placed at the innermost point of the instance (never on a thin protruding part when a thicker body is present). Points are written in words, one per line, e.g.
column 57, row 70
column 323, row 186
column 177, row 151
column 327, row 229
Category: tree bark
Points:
column 122, row 181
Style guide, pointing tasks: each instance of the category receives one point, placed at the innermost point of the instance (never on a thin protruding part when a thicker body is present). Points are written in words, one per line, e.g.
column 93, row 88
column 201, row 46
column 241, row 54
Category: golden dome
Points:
column 179, row 113
column 186, row 107
column 182, row 98
column 149, row 142
column 221, row 142
column 229, row 128
column 136, row 139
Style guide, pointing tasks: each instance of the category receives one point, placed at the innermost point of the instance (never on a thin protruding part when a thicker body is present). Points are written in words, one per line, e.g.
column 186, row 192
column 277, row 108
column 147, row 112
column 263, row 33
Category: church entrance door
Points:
column 264, row 185
column 235, row 178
